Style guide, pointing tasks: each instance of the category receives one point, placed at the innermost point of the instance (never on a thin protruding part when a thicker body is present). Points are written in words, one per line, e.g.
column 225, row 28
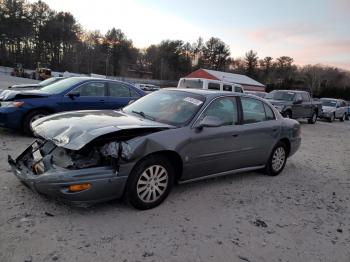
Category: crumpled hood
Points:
column 328, row 108
column 8, row 95
column 73, row 130
column 26, row 86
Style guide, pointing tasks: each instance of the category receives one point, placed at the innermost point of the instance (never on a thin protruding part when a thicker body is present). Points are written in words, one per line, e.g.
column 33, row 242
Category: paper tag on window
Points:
column 193, row 101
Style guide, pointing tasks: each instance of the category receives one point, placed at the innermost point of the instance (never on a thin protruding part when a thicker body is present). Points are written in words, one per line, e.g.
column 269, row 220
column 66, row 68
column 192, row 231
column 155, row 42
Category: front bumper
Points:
column 105, row 183
column 10, row 117
column 294, row 145
column 326, row 115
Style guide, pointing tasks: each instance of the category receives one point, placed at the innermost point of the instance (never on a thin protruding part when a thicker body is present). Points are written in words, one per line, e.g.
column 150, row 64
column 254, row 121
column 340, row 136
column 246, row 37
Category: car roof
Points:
column 294, row 91
column 86, row 78
column 204, row 92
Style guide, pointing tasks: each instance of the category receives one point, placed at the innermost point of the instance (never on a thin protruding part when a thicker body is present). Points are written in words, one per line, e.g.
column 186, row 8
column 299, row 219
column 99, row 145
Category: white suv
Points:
column 203, row 83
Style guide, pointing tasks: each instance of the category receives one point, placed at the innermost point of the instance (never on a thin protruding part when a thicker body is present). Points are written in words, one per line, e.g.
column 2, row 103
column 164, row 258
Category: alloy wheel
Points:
column 152, row 183
column 278, row 158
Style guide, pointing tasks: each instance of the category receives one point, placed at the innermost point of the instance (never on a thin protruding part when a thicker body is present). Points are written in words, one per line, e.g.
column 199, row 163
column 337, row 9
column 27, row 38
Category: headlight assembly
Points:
column 12, row 104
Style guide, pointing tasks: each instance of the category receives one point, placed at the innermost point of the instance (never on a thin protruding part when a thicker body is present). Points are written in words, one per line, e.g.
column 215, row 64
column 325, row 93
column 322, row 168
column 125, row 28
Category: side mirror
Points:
column 131, row 101
column 298, row 101
column 210, row 121
column 73, row 95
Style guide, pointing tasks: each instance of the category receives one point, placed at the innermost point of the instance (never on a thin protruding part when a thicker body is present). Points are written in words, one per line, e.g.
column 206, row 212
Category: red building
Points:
column 248, row 83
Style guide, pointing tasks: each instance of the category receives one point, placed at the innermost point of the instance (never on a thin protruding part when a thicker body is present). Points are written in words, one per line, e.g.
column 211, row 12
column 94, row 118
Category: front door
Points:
column 212, row 150
column 90, row 95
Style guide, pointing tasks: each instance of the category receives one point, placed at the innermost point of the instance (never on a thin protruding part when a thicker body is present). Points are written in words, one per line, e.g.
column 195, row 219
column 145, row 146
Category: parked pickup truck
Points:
column 295, row 104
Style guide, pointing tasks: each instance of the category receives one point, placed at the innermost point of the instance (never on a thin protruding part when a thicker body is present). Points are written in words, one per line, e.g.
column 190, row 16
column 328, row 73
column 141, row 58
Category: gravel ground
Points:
column 301, row 215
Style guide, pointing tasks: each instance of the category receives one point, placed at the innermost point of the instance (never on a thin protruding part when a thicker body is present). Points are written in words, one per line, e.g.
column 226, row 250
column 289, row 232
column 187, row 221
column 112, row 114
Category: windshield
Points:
column 189, row 83
column 280, row 95
column 60, row 86
column 170, row 107
column 49, row 81
column 331, row 103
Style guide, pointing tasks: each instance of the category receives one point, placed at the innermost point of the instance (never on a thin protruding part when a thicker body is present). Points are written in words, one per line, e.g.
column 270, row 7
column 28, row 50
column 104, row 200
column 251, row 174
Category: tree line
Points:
column 34, row 35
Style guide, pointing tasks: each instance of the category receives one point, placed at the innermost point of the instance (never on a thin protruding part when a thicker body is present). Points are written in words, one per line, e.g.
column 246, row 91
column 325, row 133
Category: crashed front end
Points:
column 94, row 173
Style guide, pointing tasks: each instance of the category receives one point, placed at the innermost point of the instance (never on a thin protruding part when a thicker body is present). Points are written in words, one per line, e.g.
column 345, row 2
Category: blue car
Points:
column 18, row 109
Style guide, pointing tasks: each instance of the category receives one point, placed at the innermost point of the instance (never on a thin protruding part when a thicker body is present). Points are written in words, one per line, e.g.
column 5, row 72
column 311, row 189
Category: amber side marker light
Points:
column 79, row 187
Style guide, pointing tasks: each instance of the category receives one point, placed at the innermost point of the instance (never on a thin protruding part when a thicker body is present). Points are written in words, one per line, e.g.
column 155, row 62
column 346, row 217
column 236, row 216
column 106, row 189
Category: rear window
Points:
column 189, row 83
column 213, row 86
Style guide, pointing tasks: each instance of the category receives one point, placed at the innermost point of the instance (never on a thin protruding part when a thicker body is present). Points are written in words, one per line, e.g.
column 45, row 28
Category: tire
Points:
column 141, row 188
column 313, row 118
column 288, row 114
column 331, row 119
column 275, row 166
column 30, row 118
column 342, row 119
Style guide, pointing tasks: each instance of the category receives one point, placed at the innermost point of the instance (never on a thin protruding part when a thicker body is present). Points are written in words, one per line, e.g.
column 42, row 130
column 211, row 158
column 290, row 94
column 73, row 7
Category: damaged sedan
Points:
column 167, row 137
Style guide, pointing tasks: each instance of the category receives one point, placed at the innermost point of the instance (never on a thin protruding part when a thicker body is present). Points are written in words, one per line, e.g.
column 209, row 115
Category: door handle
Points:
column 102, row 101
column 235, row 135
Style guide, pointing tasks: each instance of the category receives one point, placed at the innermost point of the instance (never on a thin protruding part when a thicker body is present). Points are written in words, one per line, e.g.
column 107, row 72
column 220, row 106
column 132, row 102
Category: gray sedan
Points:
column 165, row 137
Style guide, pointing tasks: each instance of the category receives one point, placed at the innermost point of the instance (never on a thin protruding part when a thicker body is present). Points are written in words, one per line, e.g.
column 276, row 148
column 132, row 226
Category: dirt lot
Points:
column 301, row 215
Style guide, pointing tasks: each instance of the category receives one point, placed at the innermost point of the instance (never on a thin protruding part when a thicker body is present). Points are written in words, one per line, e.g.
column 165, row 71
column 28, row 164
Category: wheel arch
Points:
column 286, row 141
column 173, row 157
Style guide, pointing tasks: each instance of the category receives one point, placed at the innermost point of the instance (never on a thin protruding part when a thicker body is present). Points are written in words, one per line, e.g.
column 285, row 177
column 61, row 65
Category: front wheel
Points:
column 277, row 160
column 150, row 182
column 30, row 118
column 331, row 119
column 288, row 114
column 313, row 118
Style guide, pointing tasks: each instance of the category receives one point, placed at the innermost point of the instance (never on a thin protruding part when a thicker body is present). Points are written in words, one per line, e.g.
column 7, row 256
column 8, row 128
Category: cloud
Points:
column 285, row 32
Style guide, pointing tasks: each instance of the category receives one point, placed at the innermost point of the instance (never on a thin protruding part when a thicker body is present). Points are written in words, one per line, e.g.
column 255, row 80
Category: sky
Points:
column 310, row 31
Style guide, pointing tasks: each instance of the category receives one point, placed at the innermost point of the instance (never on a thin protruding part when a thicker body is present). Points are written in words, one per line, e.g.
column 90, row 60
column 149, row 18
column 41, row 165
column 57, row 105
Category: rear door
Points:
column 120, row 94
column 259, row 132
column 307, row 105
column 298, row 109
column 89, row 95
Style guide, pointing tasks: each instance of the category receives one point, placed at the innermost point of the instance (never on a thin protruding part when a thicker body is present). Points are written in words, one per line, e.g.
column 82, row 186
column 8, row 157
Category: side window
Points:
column 224, row 109
column 238, row 89
column 119, row 90
column 213, row 86
column 133, row 93
column 305, row 96
column 91, row 89
column 253, row 110
column 269, row 113
column 298, row 97
column 227, row 88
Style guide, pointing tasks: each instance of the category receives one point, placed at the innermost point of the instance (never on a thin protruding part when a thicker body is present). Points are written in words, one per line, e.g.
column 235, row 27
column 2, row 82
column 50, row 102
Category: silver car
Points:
column 168, row 136
column 333, row 109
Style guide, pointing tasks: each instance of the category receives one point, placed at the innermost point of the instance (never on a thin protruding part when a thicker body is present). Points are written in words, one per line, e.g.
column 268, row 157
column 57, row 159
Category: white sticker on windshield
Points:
column 193, row 101
column 290, row 93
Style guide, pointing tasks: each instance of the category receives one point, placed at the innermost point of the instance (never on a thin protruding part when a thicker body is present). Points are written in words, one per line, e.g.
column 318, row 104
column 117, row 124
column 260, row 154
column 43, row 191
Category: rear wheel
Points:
column 30, row 118
column 277, row 160
column 342, row 119
column 313, row 118
column 150, row 182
